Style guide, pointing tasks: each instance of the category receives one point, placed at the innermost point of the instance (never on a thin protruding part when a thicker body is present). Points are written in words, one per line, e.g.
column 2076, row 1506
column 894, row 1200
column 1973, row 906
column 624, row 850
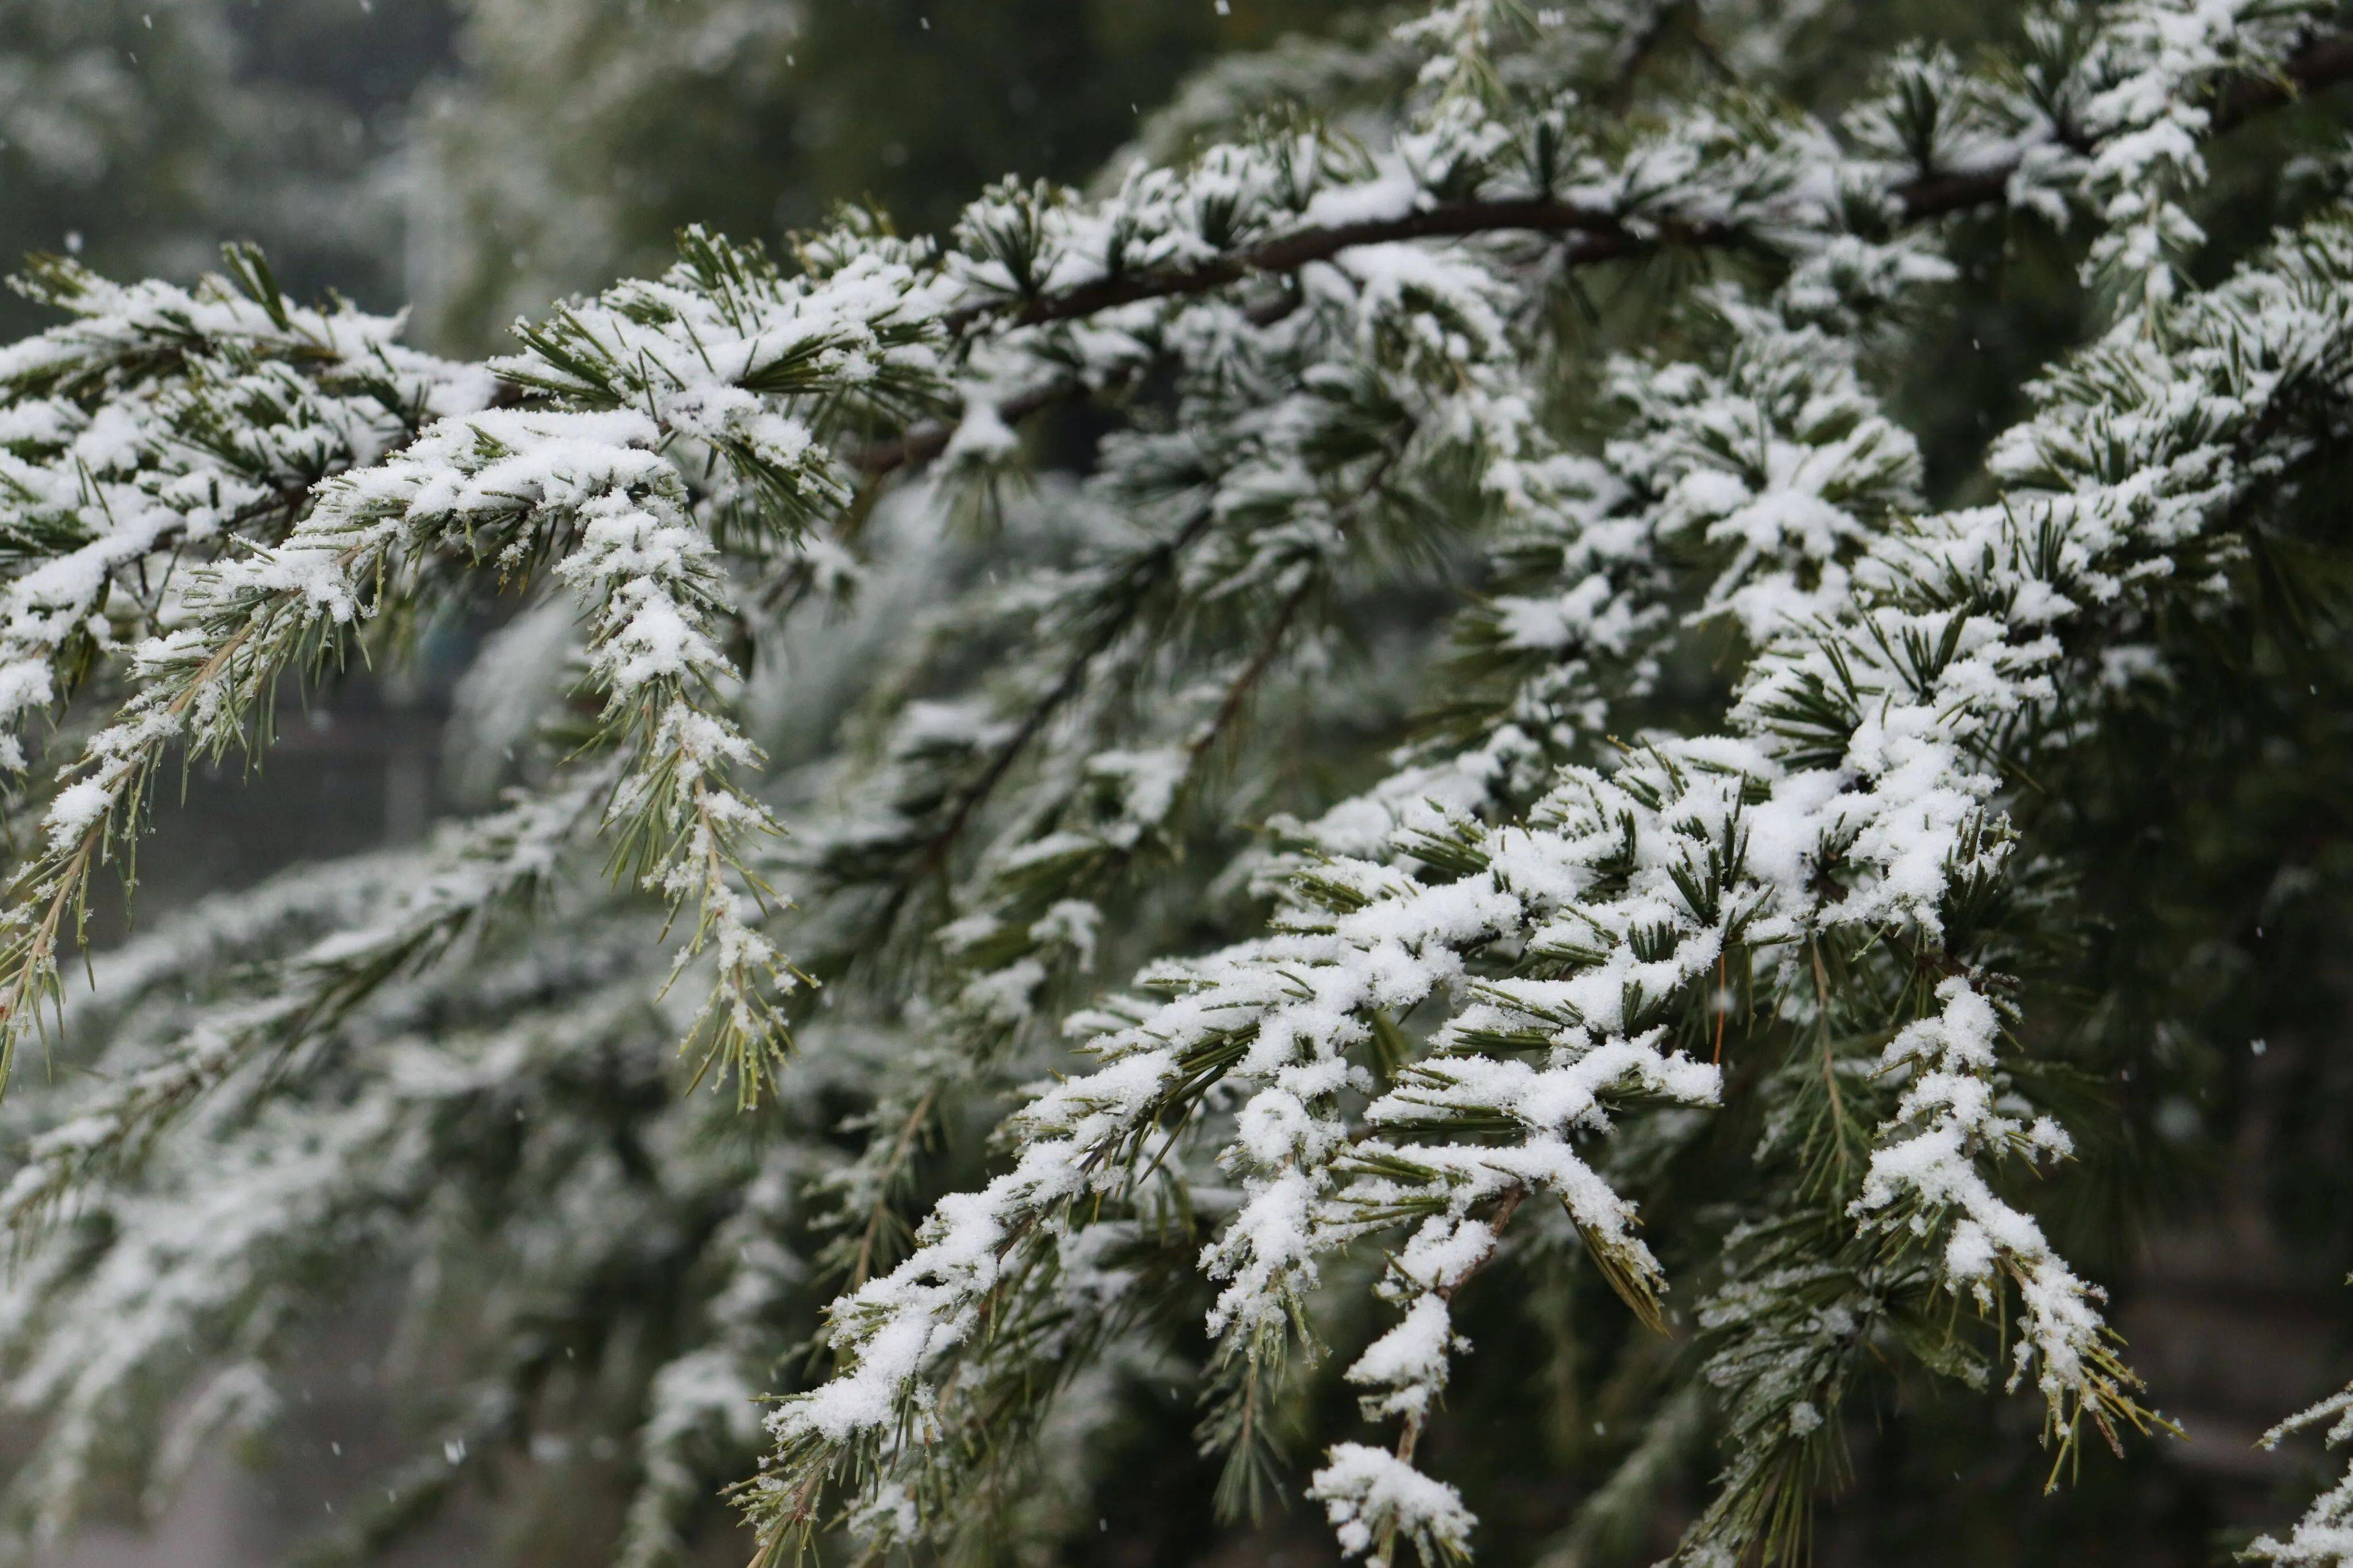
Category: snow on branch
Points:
column 1473, row 991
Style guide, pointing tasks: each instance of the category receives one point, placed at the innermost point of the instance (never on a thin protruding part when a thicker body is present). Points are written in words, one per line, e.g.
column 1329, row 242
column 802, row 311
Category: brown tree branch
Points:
column 1594, row 236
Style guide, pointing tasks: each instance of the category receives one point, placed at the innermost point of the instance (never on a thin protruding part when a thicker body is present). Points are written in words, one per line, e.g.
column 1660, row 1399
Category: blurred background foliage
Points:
column 477, row 158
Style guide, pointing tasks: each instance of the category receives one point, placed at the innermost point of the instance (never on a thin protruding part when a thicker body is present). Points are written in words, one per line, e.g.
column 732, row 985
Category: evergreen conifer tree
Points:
column 1399, row 785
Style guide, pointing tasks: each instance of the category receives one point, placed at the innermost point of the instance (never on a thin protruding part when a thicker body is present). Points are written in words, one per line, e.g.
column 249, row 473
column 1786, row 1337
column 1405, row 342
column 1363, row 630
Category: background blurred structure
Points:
column 476, row 159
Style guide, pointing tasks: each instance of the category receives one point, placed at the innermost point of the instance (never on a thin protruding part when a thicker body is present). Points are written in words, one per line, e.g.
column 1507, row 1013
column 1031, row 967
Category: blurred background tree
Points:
column 478, row 157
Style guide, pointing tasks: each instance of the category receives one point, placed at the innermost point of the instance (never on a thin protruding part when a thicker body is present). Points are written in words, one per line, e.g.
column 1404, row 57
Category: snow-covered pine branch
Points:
column 1755, row 840
column 1707, row 836
column 2323, row 1538
column 162, row 418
